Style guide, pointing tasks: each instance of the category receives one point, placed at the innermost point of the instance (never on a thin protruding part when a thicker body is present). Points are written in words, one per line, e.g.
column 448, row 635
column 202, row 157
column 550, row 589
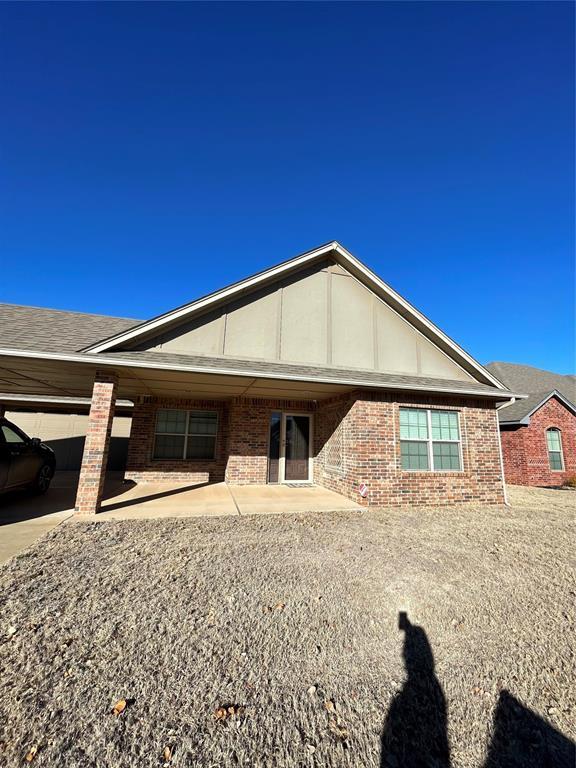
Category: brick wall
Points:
column 525, row 449
column 372, row 452
column 368, row 425
column 249, row 431
column 241, row 442
column 143, row 468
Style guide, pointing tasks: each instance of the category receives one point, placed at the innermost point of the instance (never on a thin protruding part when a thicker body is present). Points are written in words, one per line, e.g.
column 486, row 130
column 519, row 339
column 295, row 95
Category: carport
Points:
column 104, row 378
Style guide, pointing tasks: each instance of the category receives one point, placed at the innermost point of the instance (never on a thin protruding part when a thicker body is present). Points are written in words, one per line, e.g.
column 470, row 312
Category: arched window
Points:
column 554, row 442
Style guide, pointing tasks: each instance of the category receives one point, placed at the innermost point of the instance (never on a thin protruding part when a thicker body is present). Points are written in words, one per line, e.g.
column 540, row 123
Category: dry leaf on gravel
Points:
column 228, row 711
column 119, row 707
column 269, row 608
column 340, row 731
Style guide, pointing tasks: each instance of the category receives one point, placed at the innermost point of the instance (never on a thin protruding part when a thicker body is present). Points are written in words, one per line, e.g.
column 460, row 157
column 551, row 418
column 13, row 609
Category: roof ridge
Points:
column 527, row 365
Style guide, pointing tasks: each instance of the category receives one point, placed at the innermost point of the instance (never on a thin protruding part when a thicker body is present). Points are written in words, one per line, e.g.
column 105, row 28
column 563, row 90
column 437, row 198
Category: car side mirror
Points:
column 35, row 441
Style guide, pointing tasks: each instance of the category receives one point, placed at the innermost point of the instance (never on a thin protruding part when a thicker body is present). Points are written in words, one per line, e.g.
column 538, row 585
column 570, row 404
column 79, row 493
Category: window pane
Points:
column 555, row 460
column 201, row 447
column 203, row 423
column 414, row 455
column 444, row 425
column 553, row 437
column 169, row 447
column 11, row 437
column 446, row 455
column 413, row 424
column 171, row 421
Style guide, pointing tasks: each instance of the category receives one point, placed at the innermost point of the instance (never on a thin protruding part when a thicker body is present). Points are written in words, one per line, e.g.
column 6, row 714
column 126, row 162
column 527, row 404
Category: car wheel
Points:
column 43, row 478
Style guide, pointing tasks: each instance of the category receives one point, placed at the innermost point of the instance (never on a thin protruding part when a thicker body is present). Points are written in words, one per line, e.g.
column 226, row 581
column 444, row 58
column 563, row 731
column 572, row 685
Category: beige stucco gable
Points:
column 321, row 315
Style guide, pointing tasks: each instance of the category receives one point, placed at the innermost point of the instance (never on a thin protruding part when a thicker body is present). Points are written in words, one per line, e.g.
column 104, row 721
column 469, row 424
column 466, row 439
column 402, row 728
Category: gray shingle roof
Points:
column 305, row 372
column 55, row 330
column 58, row 331
column 537, row 383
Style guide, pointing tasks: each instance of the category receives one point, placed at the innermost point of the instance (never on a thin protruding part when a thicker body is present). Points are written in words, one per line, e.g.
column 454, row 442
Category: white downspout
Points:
column 506, row 502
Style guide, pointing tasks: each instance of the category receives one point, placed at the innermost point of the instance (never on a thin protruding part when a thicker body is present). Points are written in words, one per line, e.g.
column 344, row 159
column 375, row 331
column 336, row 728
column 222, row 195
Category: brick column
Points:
column 93, row 471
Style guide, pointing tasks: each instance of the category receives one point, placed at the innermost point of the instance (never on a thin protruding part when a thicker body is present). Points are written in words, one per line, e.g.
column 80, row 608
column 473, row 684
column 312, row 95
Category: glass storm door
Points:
column 296, row 447
column 289, row 441
column 275, row 439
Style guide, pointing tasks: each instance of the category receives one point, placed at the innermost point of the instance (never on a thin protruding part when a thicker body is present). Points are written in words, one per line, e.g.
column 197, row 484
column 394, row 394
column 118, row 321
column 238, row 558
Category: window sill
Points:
column 435, row 472
column 182, row 461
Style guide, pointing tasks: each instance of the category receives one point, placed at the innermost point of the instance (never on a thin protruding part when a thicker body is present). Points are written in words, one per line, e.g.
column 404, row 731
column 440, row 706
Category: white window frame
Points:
column 548, row 451
column 430, row 441
column 186, row 434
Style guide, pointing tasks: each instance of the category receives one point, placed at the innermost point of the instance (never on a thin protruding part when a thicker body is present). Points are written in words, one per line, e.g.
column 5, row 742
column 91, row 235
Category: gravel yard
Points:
column 275, row 641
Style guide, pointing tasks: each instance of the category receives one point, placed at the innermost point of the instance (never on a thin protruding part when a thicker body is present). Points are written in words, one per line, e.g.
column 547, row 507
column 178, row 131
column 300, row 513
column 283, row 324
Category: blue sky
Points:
column 152, row 153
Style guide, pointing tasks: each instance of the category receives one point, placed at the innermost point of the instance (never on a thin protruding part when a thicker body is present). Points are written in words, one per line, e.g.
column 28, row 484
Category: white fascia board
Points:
column 345, row 257
column 96, row 361
column 55, row 400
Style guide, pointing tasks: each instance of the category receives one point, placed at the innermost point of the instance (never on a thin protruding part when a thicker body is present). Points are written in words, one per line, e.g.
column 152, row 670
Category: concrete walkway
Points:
column 24, row 518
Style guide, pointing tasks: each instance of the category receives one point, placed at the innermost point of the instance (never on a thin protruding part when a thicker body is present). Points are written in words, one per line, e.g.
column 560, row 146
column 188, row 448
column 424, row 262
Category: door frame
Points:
column 282, row 459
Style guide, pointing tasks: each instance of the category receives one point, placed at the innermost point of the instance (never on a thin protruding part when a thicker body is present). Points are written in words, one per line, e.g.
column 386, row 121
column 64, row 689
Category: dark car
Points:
column 24, row 462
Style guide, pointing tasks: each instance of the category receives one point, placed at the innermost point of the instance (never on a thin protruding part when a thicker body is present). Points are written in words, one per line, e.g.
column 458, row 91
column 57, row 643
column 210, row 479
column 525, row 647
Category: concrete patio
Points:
column 216, row 499
column 24, row 518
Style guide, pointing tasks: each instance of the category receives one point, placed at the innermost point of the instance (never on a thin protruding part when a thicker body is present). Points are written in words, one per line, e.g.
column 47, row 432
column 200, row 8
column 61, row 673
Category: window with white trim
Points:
column 185, row 434
column 430, row 440
column 554, row 443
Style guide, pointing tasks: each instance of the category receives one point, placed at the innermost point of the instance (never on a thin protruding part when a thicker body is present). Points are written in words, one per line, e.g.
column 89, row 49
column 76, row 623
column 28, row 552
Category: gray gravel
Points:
column 293, row 622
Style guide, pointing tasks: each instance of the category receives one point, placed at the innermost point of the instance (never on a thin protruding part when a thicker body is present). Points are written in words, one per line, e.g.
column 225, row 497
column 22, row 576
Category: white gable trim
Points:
column 341, row 255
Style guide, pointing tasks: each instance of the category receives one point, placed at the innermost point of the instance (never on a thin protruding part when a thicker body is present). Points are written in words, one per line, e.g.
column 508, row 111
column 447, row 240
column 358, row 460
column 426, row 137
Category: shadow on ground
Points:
column 153, row 496
column 20, row 505
column 415, row 733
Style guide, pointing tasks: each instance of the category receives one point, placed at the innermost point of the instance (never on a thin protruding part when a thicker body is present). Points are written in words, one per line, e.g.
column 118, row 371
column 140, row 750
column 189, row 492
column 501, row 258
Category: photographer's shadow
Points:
column 415, row 733
column 416, row 730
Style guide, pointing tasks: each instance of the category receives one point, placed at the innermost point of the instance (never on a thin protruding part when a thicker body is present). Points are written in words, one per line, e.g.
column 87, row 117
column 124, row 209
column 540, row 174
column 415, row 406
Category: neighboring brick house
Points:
column 538, row 433
column 313, row 371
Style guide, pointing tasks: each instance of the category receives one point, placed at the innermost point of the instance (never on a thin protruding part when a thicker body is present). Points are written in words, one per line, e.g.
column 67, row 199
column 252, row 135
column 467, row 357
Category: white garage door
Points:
column 65, row 433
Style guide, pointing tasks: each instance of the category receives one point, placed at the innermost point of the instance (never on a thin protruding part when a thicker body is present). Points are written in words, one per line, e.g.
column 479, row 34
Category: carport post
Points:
column 94, row 459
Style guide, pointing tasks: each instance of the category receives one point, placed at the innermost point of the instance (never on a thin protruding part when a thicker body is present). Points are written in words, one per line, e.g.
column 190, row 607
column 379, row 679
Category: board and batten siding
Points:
column 320, row 316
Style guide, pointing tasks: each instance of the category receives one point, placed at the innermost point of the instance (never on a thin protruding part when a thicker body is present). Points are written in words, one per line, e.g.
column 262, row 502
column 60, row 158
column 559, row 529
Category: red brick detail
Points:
column 372, row 452
column 248, row 437
column 241, row 443
column 525, row 450
column 142, row 467
column 95, row 457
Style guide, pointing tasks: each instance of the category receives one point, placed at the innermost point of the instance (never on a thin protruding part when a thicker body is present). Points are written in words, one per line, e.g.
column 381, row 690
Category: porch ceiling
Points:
column 40, row 376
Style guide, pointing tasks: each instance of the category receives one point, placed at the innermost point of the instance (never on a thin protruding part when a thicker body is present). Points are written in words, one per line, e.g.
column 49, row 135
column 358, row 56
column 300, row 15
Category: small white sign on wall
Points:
column 363, row 490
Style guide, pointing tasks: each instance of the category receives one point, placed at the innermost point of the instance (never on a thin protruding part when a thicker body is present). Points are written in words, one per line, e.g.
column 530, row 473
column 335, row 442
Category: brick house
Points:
column 538, row 433
column 313, row 371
